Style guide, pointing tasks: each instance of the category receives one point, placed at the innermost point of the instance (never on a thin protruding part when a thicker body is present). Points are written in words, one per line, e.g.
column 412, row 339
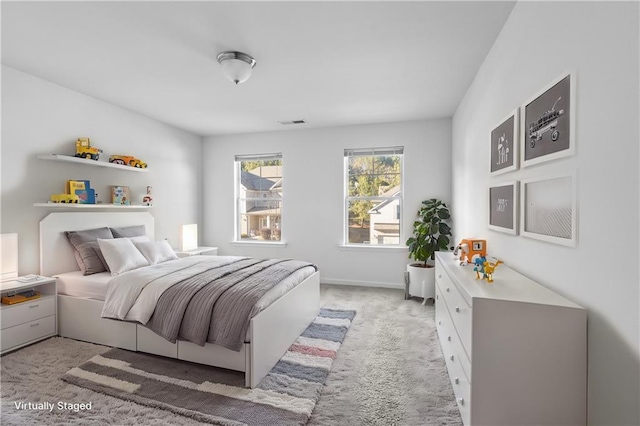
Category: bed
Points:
column 280, row 320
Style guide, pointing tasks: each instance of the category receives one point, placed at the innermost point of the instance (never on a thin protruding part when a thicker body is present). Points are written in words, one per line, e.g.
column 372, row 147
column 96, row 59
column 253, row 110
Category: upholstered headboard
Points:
column 56, row 255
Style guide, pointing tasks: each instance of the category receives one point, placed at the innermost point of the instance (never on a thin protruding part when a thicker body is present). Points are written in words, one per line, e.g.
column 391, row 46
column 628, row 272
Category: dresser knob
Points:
column 461, row 401
column 33, row 306
column 439, row 275
column 451, row 357
column 439, row 322
column 35, row 324
column 456, row 380
column 437, row 297
column 448, row 290
column 457, row 309
column 449, row 338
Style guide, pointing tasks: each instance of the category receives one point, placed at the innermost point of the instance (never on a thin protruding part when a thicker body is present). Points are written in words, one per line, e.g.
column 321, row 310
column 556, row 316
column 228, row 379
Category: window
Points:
column 373, row 196
column 259, row 197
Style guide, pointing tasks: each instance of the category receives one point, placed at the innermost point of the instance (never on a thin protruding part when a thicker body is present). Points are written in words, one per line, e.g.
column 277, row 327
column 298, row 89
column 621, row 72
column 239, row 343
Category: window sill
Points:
column 369, row 247
column 278, row 244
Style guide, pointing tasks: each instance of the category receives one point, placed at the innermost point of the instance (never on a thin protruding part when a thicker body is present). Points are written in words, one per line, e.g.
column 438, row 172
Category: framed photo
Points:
column 120, row 195
column 503, row 206
column 548, row 122
column 504, row 145
column 548, row 209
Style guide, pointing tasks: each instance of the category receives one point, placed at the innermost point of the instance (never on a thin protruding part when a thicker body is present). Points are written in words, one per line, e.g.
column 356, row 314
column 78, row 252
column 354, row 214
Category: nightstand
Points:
column 30, row 321
column 208, row 251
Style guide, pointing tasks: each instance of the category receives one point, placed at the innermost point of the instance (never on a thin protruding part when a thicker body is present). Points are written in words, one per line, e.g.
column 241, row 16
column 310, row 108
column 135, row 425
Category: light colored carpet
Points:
column 389, row 371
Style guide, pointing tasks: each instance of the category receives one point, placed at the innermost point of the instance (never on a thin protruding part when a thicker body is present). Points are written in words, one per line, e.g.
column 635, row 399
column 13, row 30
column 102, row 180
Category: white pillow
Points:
column 138, row 239
column 121, row 255
column 156, row 251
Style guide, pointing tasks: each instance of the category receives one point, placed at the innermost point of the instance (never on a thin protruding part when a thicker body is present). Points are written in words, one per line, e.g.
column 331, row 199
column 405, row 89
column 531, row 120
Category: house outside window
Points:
column 373, row 196
column 259, row 198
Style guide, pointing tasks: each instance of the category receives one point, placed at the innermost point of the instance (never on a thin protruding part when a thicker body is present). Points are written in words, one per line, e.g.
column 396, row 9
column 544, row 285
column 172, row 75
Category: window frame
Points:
column 380, row 151
column 258, row 200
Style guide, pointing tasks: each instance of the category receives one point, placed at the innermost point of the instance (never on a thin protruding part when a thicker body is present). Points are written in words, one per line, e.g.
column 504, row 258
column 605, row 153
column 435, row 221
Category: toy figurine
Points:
column 147, row 200
column 474, row 248
column 479, row 261
column 460, row 252
column 488, row 270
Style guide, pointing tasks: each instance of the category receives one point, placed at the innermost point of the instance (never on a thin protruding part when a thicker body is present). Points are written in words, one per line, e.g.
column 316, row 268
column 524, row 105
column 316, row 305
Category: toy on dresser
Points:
column 468, row 249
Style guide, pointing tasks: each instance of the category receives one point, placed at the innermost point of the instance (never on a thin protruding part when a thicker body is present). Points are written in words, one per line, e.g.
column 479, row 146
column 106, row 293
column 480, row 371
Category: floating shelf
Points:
column 89, row 206
column 86, row 162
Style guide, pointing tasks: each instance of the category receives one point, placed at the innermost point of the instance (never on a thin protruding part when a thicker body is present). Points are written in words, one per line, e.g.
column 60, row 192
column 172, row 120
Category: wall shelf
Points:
column 84, row 161
column 89, row 206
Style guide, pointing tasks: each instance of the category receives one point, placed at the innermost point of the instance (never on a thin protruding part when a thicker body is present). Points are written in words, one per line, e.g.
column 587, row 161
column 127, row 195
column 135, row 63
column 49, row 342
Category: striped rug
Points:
column 286, row 396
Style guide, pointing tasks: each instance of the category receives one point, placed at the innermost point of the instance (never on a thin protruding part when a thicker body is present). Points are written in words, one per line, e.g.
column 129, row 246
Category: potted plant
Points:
column 430, row 234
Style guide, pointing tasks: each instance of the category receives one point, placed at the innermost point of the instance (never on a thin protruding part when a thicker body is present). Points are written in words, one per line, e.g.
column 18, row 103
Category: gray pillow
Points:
column 86, row 255
column 86, row 249
column 128, row 231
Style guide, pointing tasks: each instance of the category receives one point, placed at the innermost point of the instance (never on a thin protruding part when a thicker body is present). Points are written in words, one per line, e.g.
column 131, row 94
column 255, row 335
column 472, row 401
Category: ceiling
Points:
column 329, row 63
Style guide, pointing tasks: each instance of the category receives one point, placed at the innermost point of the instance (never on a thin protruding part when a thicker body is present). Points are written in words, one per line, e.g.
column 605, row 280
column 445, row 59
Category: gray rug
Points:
column 285, row 397
column 389, row 371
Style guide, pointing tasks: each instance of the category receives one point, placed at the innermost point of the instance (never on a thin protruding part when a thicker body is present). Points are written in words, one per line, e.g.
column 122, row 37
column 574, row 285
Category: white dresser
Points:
column 30, row 321
column 516, row 352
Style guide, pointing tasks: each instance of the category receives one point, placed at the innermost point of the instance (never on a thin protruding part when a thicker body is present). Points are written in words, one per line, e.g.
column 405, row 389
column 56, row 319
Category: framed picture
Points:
column 504, row 145
column 503, row 206
column 548, row 122
column 120, row 195
column 548, row 209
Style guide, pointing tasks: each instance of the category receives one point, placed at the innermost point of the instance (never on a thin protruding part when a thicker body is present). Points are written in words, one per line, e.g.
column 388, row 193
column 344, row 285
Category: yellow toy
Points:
column 85, row 150
column 65, row 198
column 488, row 270
column 128, row 160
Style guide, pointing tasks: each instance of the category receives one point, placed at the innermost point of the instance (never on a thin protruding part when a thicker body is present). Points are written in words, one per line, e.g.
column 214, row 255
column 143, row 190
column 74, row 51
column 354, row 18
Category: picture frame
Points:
column 120, row 195
column 503, row 207
column 548, row 122
column 548, row 209
column 504, row 145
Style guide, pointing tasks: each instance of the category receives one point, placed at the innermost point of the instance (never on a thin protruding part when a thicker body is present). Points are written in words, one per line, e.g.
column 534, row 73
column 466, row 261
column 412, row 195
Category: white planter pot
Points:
column 422, row 282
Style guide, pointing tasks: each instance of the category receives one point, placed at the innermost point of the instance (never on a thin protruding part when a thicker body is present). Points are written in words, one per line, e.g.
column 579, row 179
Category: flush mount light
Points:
column 236, row 66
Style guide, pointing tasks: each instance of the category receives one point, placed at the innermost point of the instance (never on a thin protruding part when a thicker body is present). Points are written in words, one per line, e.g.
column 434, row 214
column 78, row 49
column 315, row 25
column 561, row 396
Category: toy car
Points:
column 128, row 160
column 65, row 198
column 85, row 150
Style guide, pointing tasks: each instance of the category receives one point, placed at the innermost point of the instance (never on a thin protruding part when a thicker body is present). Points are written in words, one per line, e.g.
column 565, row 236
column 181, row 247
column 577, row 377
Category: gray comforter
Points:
column 212, row 304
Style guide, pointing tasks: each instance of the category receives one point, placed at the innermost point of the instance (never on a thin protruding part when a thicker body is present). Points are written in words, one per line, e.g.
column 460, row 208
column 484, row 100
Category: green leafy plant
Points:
column 431, row 232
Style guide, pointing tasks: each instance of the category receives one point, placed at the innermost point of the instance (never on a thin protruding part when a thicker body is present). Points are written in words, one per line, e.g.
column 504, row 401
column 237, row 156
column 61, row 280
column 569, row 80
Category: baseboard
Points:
column 358, row 283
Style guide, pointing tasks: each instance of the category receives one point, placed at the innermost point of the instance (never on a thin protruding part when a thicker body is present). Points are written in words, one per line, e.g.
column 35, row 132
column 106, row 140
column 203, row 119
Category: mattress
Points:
column 95, row 286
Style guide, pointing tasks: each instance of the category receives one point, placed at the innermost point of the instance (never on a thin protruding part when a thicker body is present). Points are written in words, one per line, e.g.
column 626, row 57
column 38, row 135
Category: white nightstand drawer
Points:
column 28, row 332
column 27, row 311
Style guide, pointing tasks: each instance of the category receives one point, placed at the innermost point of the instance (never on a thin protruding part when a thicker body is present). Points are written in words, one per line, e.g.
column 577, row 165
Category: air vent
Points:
column 286, row 123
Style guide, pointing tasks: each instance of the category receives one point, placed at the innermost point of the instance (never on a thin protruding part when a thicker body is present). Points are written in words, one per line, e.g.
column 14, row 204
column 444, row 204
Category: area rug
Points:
column 286, row 396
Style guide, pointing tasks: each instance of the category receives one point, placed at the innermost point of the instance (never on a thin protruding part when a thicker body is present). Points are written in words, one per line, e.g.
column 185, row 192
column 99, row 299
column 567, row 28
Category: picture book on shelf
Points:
column 82, row 188
column 120, row 195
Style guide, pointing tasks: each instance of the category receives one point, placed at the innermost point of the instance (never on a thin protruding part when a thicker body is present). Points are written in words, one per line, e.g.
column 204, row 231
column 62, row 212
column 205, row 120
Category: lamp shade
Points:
column 189, row 237
column 236, row 66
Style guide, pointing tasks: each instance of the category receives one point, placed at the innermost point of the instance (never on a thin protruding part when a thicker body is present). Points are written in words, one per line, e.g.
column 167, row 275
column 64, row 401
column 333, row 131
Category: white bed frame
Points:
column 271, row 332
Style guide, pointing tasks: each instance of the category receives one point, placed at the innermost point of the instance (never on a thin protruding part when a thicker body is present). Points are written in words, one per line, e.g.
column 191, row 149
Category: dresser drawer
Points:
column 27, row 332
column 461, row 386
column 451, row 344
column 461, row 313
column 27, row 311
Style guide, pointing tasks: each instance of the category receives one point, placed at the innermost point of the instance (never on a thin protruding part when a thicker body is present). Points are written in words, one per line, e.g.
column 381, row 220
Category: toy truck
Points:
column 85, row 150
column 65, row 198
column 128, row 160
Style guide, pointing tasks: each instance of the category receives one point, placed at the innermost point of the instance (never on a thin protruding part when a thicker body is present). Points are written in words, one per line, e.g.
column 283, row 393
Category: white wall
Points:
column 39, row 117
column 313, row 193
column 599, row 41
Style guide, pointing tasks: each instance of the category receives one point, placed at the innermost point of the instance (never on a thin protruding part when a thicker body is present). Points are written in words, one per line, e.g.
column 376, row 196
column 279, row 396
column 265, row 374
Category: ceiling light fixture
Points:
column 236, row 66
